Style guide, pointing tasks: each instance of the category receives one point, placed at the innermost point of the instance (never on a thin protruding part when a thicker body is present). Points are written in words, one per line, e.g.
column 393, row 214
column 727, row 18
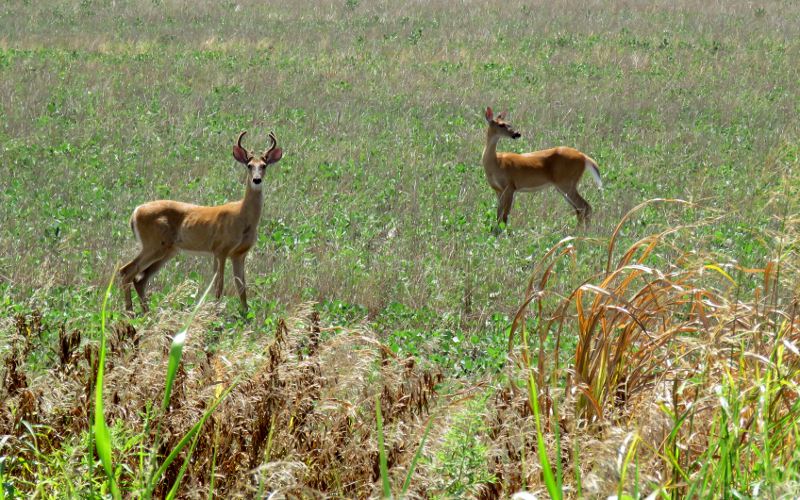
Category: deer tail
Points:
column 591, row 166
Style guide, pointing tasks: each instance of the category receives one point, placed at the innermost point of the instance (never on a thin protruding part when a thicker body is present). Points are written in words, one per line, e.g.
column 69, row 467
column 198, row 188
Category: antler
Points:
column 239, row 143
column 239, row 140
column 274, row 145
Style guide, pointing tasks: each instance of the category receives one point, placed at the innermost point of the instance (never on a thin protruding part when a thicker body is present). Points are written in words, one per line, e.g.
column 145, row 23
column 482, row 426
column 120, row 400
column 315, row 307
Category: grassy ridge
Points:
column 379, row 209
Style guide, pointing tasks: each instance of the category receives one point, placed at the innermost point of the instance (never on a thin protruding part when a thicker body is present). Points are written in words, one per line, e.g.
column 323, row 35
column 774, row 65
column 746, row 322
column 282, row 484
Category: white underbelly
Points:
column 532, row 189
column 198, row 253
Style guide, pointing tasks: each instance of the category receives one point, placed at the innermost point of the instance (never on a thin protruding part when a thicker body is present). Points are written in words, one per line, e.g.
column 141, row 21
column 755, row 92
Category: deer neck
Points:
column 489, row 159
column 252, row 204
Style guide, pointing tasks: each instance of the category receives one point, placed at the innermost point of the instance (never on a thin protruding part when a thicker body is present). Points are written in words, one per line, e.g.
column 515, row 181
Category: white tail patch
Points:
column 133, row 225
column 591, row 166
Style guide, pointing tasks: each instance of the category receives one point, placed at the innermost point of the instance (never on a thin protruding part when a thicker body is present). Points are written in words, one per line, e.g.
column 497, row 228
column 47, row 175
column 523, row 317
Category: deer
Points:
column 163, row 228
column 507, row 173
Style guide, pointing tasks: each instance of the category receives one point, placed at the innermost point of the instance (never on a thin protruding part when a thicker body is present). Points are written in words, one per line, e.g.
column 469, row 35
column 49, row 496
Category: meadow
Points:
column 658, row 353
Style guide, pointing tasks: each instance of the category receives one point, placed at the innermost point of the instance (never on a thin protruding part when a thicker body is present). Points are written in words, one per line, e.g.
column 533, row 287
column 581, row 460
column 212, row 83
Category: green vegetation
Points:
column 659, row 351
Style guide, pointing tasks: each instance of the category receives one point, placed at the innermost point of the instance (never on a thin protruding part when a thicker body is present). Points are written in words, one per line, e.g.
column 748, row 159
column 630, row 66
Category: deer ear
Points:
column 240, row 154
column 502, row 116
column 489, row 114
column 273, row 156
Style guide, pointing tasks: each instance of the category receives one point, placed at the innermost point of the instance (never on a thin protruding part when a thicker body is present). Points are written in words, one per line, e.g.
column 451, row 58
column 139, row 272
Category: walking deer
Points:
column 165, row 227
column 507, row 173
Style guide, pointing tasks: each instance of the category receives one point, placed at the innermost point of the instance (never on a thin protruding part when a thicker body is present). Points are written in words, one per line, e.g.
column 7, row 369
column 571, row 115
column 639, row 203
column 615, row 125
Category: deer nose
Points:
column 256, row 181
column 516, row 135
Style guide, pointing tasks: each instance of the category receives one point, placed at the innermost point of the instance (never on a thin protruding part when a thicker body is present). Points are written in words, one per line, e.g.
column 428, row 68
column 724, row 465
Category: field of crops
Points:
column 396, row 345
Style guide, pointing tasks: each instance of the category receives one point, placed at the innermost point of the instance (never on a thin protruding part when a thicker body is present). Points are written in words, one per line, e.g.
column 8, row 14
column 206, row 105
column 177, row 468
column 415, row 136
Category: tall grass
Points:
column 383, row 462
column 100, row 434
column 175, row 353
column 294, row 410
column 718, row 359
column 154, row 474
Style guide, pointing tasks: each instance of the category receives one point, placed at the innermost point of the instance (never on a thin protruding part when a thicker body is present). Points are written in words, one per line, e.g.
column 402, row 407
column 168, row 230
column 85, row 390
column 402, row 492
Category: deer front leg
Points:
column 126, row 290
column 499, row 205
column 219, row 279
column 238, row 279
column 504, row 202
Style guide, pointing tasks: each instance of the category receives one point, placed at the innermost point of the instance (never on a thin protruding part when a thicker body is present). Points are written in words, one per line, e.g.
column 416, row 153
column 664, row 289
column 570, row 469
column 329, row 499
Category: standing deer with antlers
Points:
column 507, row 173
column 165, row 227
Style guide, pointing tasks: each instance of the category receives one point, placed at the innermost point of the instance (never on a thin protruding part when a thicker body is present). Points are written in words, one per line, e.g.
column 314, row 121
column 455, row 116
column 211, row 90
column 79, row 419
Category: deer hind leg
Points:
column 127, row 273
column 143, row 279
column 130, row 272
column 582, row 208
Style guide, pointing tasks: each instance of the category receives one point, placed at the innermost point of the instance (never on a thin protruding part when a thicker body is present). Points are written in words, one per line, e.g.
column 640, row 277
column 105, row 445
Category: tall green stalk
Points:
column 101, row 434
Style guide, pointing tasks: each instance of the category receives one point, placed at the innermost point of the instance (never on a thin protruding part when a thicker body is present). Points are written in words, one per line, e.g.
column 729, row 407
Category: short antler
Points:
column 239, row 152
column 273, row 146
column 239, row 141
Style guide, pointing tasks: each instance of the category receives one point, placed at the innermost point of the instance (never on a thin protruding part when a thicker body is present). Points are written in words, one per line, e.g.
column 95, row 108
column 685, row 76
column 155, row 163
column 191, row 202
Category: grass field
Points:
column 375, row 247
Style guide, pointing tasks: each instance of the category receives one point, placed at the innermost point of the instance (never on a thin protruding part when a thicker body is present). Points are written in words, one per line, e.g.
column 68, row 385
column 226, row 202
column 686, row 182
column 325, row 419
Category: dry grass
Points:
column 671, row 362
column 678, row 368
column 302, row 420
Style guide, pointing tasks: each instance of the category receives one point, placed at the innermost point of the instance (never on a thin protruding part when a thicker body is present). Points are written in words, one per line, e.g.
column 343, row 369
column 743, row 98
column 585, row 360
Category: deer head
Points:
column 498, row 125
column 256, row 166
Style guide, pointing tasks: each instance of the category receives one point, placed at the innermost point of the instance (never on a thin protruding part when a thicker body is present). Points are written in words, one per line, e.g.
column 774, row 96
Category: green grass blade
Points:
column 3, row 480
column 193, row 435
column 387, row 487
column 213, row 466
column 577, row 467
column 102, row 437
column 629, row 455
column 533, row 400
column 176, row 350
column 414, row 460
column 549, row 478
column 142, row 453
column 557, row 434
column 175, row 354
